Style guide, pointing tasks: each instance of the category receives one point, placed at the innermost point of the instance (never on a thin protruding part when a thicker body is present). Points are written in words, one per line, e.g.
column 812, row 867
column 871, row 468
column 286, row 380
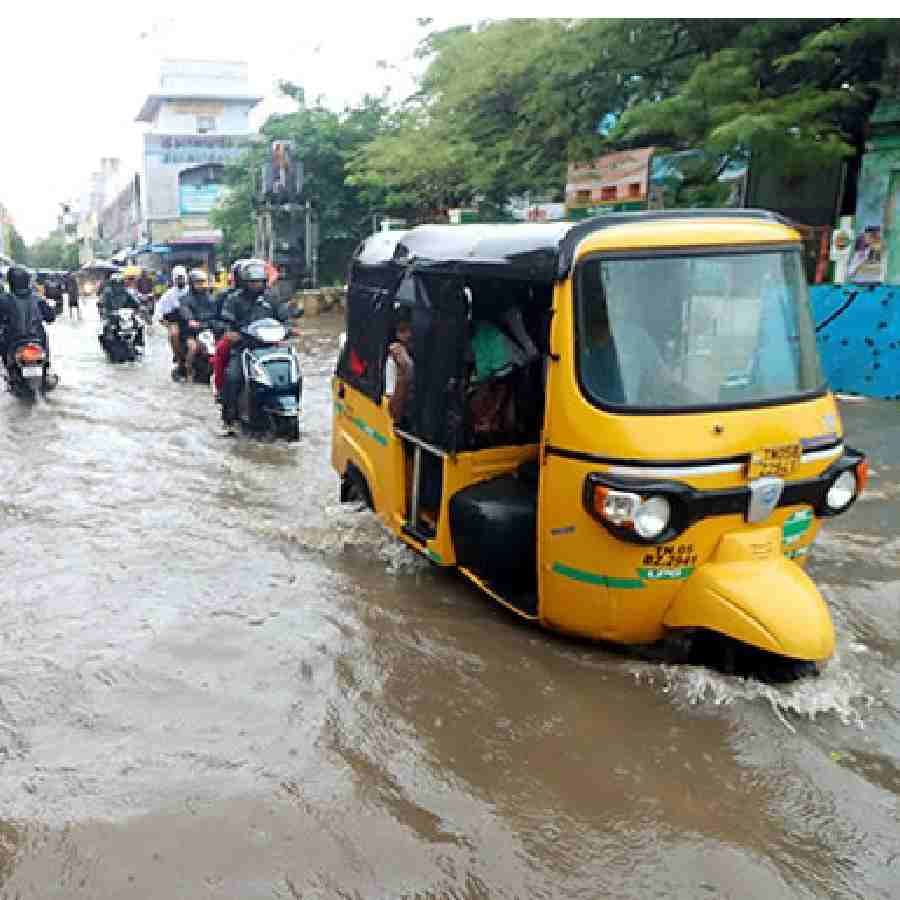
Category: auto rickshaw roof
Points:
column 539, row 251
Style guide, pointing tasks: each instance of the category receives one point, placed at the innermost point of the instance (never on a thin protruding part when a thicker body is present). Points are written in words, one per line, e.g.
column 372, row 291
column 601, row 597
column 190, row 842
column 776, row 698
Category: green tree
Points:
column 234, row 213
column 796, row 92
column 53, row 252
column 15, row 244
column 502, row 108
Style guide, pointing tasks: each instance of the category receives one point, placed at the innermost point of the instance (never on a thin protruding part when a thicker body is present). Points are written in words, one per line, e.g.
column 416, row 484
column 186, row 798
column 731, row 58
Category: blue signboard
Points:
column 198, row 199
column 195, row 148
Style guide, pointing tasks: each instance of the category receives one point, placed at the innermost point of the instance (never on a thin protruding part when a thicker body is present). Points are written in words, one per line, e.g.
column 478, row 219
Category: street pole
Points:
column 307, row 242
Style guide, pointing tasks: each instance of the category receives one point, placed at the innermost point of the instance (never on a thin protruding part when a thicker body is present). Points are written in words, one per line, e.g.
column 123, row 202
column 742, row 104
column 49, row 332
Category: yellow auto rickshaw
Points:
column 618, row 428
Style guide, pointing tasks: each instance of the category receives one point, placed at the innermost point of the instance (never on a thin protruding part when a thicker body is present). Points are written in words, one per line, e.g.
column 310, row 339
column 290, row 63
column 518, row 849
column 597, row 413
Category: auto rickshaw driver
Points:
column 623, row 362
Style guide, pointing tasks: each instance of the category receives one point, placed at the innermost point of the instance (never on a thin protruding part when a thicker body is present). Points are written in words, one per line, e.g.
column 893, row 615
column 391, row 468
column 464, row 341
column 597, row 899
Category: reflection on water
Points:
column 217, row 680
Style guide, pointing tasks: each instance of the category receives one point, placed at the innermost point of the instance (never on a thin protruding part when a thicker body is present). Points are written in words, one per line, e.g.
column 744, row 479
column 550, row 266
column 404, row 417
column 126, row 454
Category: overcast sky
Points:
column 74, row 75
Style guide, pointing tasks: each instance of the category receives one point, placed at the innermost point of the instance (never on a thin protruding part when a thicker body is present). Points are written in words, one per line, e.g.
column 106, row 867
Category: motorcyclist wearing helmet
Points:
column 168, row 309
column 197, row 310
column 23, row 312
column 119, row 293
column 241, row 309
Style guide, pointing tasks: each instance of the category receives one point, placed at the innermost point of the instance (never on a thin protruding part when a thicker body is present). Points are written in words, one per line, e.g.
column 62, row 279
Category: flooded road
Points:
column 216, row 682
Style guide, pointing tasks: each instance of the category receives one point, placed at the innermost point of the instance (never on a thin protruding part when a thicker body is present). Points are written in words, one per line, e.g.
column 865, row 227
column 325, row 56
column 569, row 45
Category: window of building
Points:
column 608, row 193
column 583, row 196
column 205, row 124
column 634, row 189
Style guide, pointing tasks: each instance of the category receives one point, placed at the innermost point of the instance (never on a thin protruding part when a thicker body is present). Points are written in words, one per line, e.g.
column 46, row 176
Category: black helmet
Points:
column 19, row 278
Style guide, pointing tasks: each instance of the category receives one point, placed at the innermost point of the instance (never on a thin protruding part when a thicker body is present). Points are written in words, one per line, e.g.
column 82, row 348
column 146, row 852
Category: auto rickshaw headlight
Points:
column 616, row 507
column 842, row 491
column 652, row 516
column 647, row 516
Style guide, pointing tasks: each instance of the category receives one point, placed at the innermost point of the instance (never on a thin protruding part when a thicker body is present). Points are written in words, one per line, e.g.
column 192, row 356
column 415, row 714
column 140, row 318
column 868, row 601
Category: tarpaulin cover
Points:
column 540, row 251
column 370, row 319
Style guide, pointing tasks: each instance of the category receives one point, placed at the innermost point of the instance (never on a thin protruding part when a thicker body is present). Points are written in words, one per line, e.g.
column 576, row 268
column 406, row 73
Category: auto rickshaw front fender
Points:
column 768, row 603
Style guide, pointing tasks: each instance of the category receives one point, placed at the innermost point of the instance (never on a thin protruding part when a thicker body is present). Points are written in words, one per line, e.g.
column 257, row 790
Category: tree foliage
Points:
column 795, row 91
column 52, row 252
column 503, row 108
column 15, row 245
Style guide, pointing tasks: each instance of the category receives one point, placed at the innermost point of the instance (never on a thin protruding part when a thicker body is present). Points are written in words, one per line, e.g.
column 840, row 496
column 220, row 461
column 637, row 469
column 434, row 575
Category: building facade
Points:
column 119, row 222
column 91, row 204
column 197, row 120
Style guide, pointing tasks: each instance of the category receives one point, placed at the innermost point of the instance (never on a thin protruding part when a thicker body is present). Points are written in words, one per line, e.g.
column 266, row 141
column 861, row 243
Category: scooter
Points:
column 270, row 400
column 28, row 375
column 122, row 336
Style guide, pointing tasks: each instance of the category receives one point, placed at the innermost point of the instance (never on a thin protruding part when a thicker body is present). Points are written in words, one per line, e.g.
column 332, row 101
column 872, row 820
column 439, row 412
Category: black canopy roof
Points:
column 541, row 251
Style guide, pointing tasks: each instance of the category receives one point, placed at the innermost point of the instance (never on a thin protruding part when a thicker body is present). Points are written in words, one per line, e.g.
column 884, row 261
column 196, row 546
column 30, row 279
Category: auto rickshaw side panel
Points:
column 363, row 435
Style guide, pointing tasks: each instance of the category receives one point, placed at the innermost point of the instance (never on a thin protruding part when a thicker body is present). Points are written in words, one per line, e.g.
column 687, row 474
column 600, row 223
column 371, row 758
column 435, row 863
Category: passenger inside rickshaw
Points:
column 507, row 341
column 498, row 349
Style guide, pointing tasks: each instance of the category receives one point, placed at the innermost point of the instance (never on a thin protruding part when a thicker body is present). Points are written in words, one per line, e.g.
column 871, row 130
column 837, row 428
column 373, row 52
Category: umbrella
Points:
column 100, row 265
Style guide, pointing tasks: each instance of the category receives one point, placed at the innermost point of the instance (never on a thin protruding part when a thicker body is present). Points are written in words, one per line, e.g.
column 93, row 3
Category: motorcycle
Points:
column 123, row 336
column 269, row 402
column 28, row 371
column 203, row 358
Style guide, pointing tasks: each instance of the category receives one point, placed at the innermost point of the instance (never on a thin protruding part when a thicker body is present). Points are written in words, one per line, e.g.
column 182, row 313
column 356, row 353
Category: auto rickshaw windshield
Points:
column 690, row 331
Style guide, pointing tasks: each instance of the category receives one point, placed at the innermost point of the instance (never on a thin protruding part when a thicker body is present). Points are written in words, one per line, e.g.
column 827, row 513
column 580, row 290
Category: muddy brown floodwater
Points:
column 216, row 682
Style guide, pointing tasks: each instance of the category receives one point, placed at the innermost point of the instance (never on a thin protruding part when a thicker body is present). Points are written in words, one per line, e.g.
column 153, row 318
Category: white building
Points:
column 104, row 185
column 197, row 120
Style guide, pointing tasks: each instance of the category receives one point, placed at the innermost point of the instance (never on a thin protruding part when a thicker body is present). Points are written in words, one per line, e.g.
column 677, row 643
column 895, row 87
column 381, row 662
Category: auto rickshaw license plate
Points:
column 780, row 460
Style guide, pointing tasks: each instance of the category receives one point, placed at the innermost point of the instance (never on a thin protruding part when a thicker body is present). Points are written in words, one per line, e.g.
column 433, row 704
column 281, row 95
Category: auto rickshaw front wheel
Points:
column 703, row 647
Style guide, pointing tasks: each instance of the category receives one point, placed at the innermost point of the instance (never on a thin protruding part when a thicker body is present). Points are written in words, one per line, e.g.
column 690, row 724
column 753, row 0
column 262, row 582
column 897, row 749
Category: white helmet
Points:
column 179, row 270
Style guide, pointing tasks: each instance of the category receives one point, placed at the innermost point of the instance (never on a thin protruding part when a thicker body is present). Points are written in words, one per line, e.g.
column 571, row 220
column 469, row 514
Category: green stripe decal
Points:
column 593, row 578
column 797, row 525
column 363, row 426
column 435, row 557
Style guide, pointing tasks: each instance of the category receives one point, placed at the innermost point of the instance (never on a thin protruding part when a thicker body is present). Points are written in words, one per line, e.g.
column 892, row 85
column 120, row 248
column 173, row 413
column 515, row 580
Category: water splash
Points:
column 839, row 691
column 351, row 530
